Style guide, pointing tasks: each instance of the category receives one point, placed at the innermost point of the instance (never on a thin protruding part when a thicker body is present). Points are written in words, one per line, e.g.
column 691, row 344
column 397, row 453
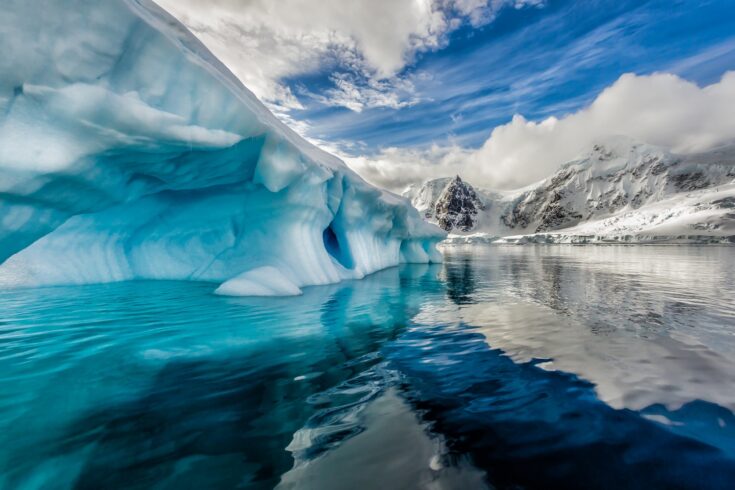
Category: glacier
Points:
column 128, row 151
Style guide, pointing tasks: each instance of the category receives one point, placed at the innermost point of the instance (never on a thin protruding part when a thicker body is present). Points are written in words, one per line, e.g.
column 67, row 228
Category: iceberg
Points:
column 263, row 281
column 128, row 151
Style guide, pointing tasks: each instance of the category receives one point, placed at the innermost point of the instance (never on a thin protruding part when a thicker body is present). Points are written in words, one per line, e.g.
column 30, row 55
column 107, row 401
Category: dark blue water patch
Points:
column 698, row 419
column 538, row 429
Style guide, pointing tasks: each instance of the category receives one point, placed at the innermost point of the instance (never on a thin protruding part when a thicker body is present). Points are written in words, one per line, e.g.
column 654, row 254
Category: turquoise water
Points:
column 506, row 367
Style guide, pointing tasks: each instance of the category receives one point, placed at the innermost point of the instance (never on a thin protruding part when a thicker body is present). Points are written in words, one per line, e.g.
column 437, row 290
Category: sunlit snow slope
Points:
column 620, row 191
column 128, row 151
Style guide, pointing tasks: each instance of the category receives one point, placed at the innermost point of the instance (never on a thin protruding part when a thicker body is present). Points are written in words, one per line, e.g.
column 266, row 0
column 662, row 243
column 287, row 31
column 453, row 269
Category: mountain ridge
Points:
column 616, row 188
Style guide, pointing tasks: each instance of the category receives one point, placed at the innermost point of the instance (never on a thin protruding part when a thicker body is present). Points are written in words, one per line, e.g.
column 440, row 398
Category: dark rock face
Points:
column 691, row 181
column 579, row 192
column 725, row 203
column 457, row 206
column 556, row 217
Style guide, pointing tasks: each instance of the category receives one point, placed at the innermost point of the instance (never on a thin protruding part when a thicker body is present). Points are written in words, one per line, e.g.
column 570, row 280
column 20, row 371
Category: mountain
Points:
column 450, row 203
column 423, row 197
column 618, row 191
column 128, row 151
column 457, row 206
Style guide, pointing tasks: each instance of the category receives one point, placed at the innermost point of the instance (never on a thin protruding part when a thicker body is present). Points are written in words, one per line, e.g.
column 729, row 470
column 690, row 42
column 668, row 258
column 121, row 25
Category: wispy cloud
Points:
column 721, row 55
column 364, row 43
column 538, row 63
column 357, row 93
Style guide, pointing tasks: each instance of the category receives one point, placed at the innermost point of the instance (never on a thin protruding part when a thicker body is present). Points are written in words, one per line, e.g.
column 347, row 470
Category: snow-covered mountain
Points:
column 423, row 197
column 620, row 190
column 450, row 203
column 127, row 150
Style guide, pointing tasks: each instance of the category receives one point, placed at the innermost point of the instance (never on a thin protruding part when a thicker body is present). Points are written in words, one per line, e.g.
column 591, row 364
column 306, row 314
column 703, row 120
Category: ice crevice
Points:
column 127, row 151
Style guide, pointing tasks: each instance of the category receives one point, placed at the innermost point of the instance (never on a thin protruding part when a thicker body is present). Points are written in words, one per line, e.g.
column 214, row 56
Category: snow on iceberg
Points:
column 128, row 151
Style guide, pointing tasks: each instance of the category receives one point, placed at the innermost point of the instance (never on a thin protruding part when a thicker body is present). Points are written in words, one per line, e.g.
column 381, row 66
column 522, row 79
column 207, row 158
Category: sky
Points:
column 501, row 92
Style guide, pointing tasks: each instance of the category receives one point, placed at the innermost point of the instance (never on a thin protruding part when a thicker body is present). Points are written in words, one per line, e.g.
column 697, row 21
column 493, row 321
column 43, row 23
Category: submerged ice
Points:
column 128, row 151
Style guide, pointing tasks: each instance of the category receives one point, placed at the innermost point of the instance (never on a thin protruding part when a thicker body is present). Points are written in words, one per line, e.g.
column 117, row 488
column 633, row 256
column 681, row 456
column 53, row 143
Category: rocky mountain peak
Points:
column 457, row 206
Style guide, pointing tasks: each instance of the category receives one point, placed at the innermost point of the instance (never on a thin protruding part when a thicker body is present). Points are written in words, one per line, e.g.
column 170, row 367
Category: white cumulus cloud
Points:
column 660, row 109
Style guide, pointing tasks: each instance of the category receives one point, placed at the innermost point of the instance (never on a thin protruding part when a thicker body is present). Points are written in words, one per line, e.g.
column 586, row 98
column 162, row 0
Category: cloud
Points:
column 481, row 12
column 356, row 95
column 265, row 41
column 660, row 109
column 396, row 168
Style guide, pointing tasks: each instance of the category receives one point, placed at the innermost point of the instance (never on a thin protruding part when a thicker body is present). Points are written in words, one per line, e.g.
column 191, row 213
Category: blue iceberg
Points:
column 128, row 151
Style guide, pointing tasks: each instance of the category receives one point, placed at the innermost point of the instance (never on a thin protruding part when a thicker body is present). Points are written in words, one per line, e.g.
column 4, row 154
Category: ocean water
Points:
column 505, row 367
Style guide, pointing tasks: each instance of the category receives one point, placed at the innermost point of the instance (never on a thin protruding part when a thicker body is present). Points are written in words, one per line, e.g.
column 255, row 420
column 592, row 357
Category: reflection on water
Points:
column 392, row 450
column 459, row 276
column 645, row 324
column 510, row 367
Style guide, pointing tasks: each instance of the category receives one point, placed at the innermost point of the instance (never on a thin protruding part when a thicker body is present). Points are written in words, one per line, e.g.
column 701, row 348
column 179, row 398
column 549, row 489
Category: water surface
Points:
column 505, row 367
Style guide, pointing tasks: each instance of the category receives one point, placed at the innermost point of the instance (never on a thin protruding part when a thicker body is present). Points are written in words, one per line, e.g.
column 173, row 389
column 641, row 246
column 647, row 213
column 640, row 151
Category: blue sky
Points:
column 533, row 61
column 405, row 90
